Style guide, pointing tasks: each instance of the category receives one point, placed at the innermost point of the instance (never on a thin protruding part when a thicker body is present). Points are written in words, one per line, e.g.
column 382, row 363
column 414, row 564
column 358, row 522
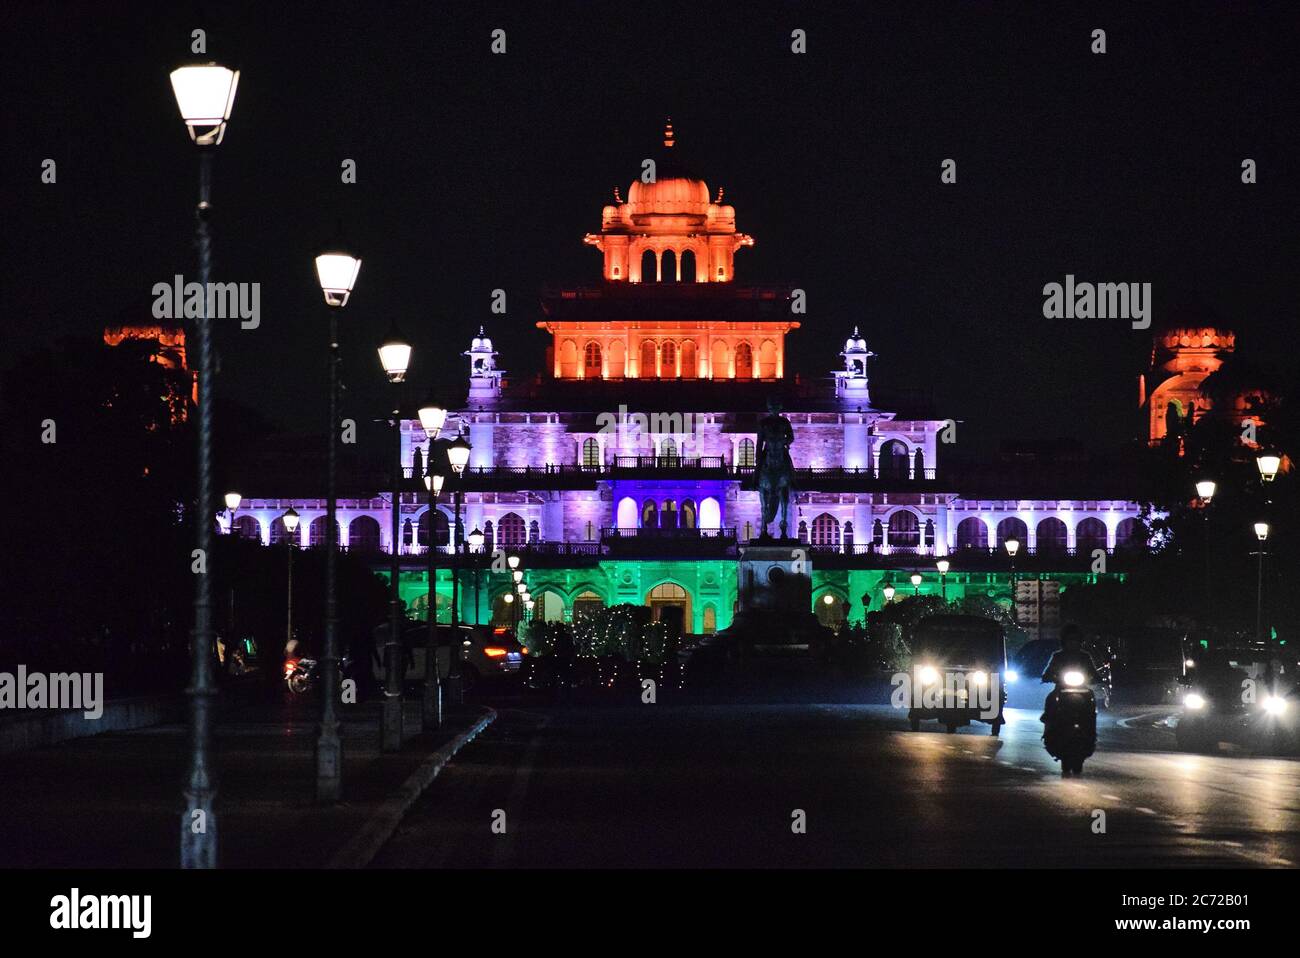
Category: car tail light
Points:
column 494, row 652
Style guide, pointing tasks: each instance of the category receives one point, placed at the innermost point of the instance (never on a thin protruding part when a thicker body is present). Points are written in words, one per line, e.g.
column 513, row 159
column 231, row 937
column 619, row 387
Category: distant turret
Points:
column 484, row 377
column 851, row 382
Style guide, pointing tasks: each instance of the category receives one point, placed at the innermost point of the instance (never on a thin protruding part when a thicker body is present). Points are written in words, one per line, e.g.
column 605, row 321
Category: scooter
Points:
column 302, row 673
column 1070, row 722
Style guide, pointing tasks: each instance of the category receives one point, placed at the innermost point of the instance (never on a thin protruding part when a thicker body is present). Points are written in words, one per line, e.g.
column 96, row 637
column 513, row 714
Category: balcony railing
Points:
column 648, row 532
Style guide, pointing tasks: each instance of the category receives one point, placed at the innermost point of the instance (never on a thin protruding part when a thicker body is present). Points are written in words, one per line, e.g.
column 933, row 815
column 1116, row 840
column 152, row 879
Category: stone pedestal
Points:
column 775, row 596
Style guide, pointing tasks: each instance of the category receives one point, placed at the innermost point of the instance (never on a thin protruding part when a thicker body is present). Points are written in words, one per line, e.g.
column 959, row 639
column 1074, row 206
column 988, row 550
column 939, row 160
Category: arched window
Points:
column 586, row 605
column 590, row 453
column 1130, row 534
column 803, row 531
column 668, row 514
column 904, row 530
column 710, row 513
column 316, row 532
column 363, row 535
column 408, row 533
column 280, row 534
column 690, row 366
column 668, row 450
column 688, row 519
column 918, row 461
column 534, row 532
column 649, row 267
column 972, row 533
column 830, row 614
column 568, row 359
column 877, row 534
column 710, row 620
column 744, row 361
column 767, row 360
column 246, row 527
column 1013, row 528
column 511, row 530
column 893, row 460
column 591, row 361
column 617, row 360
column 649, row 369
column 627, row 513
column 668, row 358
column 746, row 454
column 649, row 515
column 719, row 360
column 441, row 524
column 826, row 530
column 668, row 266
column 549, row 607
column 1051, row 537
column 688, row 266
column 929, row 533
column 489, row 536
column 848, row 536
column 1089, row 536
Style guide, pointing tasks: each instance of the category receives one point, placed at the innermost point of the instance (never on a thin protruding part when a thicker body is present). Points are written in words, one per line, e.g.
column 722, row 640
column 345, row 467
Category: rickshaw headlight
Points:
column 1193, row 701
column 929, row 675
column 1073, row 677
column 1011, row 675
column 979, row 678
column 1274, row 704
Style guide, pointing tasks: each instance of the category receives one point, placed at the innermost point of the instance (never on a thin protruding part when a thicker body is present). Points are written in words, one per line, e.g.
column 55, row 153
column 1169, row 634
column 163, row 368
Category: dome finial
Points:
column 668, row 133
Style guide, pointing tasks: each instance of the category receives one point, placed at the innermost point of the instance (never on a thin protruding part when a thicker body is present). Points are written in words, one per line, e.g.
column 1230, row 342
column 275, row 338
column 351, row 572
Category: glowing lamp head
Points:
column 395, row 356
column 943, row 566
column 1205, row 489
column 528, row 604
column 508, row 598
column 1011, row 675
column 233, row 499
column 916, row 579
column 513, row 562
column 527, row 596
column 1072, row 678
column 520, row 587
column 517, row 575
column 476, row 538
column 205, row 95
column 431, row 418
column 889, row 593
column 458, row 454
column 434, row 484
column 1261, row 531
column 1012, row 546
column 828, row 599
column 1268, row 466
column 290, row 519
column 337, row 273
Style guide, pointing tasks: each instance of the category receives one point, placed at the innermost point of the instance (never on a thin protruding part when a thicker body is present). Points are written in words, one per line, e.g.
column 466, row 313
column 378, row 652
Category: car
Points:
column 1244, row 696
column 486, row 652
column 1030, row 661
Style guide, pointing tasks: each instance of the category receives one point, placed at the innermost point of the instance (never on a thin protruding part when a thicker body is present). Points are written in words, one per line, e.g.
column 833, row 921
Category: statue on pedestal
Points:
column 773, row 466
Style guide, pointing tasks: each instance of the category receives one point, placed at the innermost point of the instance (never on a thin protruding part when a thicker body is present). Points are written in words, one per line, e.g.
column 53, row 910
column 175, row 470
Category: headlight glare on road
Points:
column 1193, row 701
column 928, row 675
column 1274, row 704
column 1073, row 677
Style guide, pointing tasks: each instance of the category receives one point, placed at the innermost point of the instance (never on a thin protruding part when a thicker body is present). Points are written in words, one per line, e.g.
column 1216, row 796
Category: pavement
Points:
column 114, row 800
column 689, row 783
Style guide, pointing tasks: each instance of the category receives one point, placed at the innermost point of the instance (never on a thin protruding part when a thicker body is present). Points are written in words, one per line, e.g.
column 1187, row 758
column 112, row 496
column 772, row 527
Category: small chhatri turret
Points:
column 484, row 377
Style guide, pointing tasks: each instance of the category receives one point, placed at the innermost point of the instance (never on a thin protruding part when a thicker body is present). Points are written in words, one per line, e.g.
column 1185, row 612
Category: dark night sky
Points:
column 479, row 171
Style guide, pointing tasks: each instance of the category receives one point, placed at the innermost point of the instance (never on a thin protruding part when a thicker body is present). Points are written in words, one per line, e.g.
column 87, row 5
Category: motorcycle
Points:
column 1070, row 722
column 302, row 673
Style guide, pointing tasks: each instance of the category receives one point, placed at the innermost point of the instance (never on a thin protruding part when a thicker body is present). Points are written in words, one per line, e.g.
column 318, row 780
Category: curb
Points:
column 365, row 845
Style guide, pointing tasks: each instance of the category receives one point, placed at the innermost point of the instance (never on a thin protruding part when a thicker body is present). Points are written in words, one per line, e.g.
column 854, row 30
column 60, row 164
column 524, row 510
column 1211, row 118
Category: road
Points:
column 722, row 785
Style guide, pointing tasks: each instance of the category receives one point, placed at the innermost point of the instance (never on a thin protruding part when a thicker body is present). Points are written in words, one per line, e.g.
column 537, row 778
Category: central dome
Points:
column 677, row 194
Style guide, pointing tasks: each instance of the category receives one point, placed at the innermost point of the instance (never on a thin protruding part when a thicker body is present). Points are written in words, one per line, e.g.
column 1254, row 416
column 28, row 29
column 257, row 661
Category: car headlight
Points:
column 1073, row 677
column 1274, row 704
column 1011, row 675
column 1193, row 701
column 979, row 678
column 929, row 675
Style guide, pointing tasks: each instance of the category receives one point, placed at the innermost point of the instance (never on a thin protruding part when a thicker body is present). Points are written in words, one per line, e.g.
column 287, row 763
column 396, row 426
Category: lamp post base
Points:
column 391, row 740
column 329, row 767
column 431, row 713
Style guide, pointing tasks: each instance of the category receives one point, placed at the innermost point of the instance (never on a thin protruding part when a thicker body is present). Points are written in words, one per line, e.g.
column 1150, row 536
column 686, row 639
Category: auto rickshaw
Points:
column 959, row 672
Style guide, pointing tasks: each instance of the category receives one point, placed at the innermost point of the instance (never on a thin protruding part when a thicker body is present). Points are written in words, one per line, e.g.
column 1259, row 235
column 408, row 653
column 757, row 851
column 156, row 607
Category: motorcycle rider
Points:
column 1069, row 657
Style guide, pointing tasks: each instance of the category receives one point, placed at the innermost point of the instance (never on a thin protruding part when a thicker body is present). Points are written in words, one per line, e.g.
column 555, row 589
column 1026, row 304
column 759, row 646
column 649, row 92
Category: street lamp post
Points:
column 233, row 499
column 395, row 357
column 1205, row 491
column 432, row 418
column 205, row 95
column 476, row 549
column 1013, row 546
column 889, row 591
column 943, row 567
column 290, row 520
column 458, row 456
column 916, row 583
column 1261, row 533
column 337, row 273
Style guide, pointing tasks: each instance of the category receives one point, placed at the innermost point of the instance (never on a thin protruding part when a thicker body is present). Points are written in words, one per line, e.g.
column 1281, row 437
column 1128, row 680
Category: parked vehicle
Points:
column 301, row 674
column 485, row 652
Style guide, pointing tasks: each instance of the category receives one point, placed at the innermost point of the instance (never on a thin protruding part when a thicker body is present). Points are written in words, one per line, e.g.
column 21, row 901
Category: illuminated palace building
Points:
column 624, row 472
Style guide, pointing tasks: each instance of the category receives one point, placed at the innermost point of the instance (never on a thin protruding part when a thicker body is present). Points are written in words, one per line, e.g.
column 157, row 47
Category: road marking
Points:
column 1146, row 811
column 1112, row 798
